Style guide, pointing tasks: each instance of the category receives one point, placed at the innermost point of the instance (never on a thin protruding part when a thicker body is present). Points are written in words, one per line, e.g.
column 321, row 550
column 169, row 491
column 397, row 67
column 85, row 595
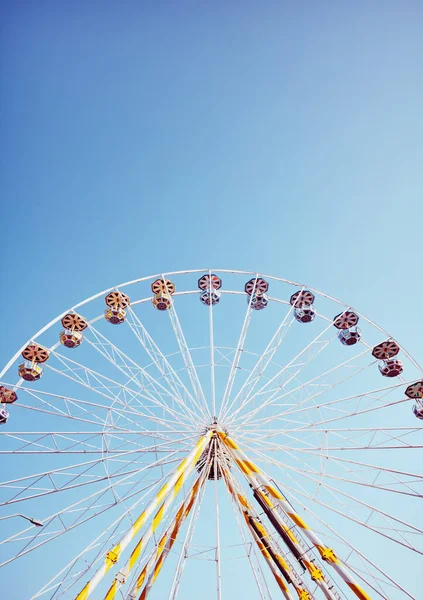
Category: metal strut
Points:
column 299, row 555
column 263, row 486
column 165, row 496
column 267, row 545
column 152, row 568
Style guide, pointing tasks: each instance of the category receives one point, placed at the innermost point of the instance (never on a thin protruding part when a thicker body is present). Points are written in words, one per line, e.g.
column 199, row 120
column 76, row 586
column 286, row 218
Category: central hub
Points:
column 215, row 427
column 214, row 456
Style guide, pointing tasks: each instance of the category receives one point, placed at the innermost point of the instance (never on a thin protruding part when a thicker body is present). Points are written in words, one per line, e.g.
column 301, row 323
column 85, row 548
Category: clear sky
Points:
column 141, row 137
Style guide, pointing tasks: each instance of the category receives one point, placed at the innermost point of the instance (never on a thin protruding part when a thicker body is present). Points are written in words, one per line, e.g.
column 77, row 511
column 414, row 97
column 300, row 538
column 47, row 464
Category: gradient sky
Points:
column 141, row 137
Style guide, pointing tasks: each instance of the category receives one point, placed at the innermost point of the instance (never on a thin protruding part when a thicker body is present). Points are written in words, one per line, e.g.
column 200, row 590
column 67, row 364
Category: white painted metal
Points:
column 134, row 420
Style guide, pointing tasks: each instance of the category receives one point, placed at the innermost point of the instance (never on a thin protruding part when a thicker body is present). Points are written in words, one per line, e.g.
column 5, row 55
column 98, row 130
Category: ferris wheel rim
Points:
column 193, row 271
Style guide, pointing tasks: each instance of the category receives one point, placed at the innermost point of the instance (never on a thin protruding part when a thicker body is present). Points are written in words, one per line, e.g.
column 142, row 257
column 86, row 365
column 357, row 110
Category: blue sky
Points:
column 146, row 137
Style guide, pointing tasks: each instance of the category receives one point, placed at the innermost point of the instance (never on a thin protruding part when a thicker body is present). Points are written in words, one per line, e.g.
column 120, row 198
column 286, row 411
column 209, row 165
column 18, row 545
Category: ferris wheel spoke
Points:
column 58, row 520
column 132, row 370
column 396, row 485
column 288, row 372
column 212, row 351
column 71, row 405
column 298, row 407
column 186, row 544
column 350, row 415
column 258, row 443
column 269, row 545
column 348, row 544
column 85, row 467
column 337, row 540
column 57, row 517
column 345, row 508
column 352, row 439
column 159, row 504
column 366, row 561
column 66, row 487
column 51, row 479
column 319, row 380
column 361, row 574
column 85, row 407
column 200, row 399
column 258, row 371
column 69, row 442
column 235, row 362
column 98, row 421
column 391, row 484
column 376, row 439
column 372, row 582
column 250, row 549
column 189, row 532
column 37, row 477
column 66, row 573
column 310, row 497
column 46, row 399
column 367, row 465
column 251, row 522
column 358, row 474
column 266, row 491
column 372, row 396
column 72, row 517
column 347, row 433
column 110, row 534
column 160, row 361
column 169, row 535
column 106, row 386
column 284, row 417
column 37, row 447
column 311, row 474
column 311, row 351
column 120, row 402
column 402, row 486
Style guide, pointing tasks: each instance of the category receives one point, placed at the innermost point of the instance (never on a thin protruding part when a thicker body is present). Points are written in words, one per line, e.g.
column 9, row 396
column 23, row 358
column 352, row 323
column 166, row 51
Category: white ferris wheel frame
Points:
column 199, row 401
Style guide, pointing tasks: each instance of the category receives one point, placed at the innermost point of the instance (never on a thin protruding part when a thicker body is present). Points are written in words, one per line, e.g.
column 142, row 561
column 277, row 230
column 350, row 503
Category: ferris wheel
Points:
column 211, row 433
